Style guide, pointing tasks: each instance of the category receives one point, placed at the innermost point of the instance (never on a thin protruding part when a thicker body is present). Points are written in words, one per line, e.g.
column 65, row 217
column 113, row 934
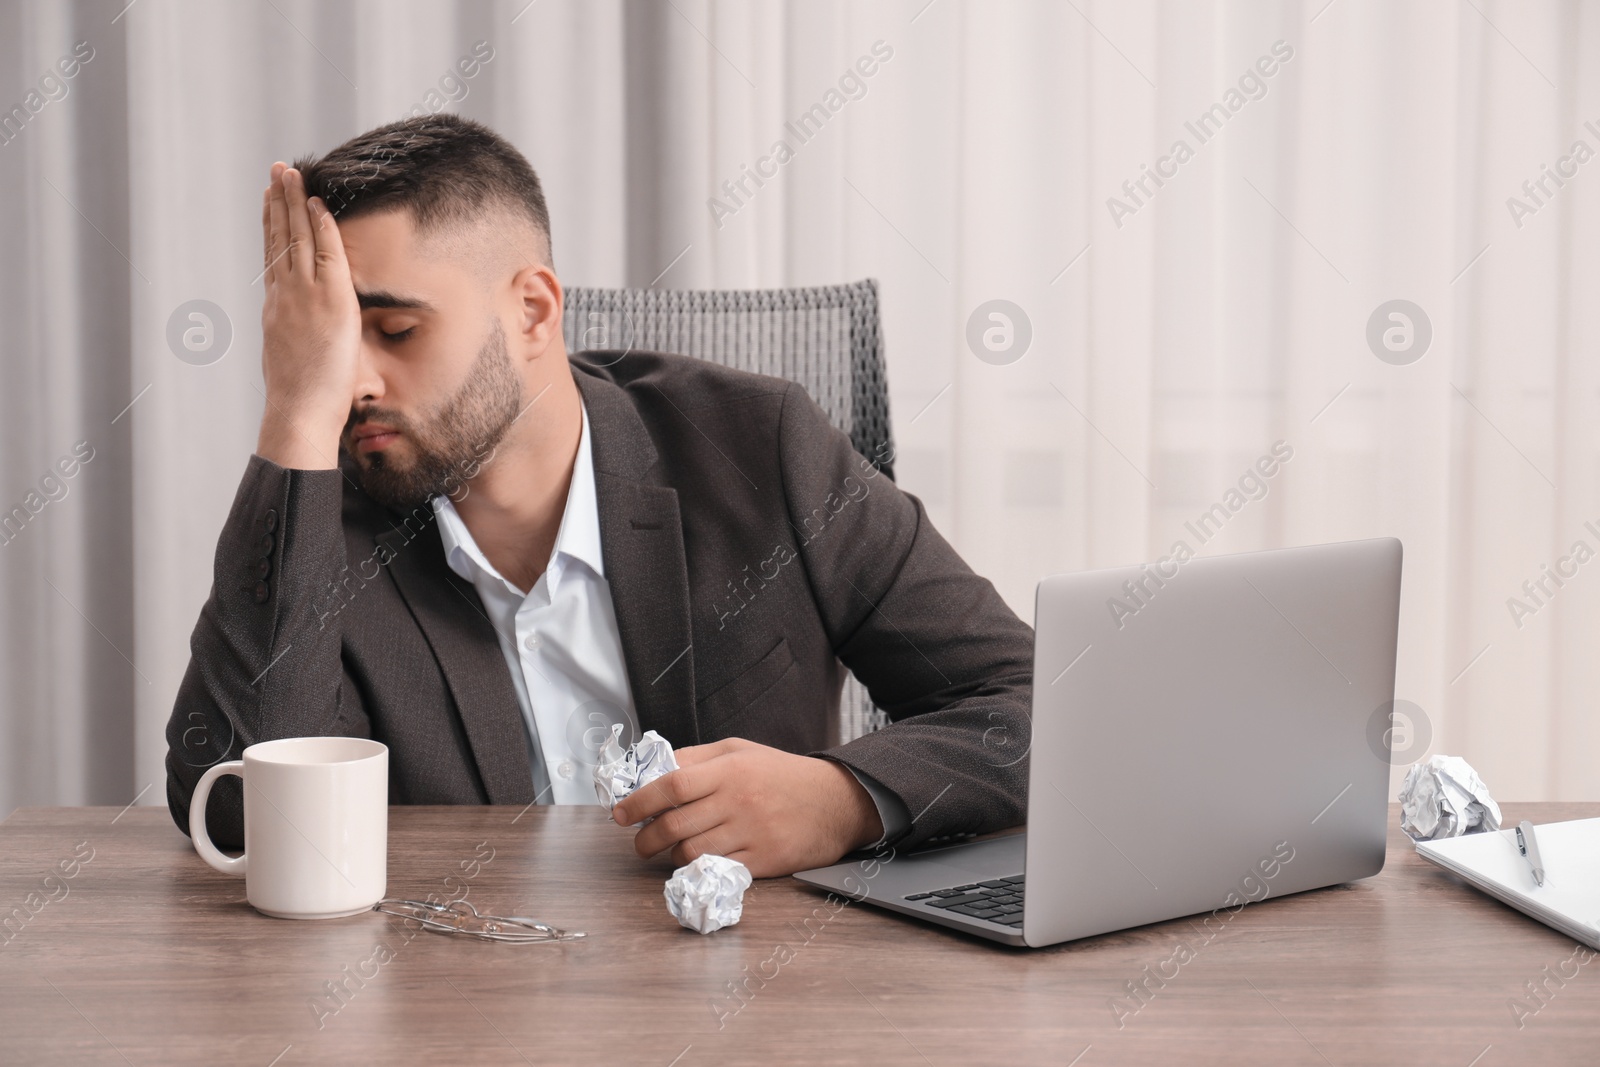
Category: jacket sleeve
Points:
column 935, row 645
column 264, row 658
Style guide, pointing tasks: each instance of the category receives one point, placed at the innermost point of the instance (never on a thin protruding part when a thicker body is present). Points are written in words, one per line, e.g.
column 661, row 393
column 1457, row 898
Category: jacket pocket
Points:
column 727, row 702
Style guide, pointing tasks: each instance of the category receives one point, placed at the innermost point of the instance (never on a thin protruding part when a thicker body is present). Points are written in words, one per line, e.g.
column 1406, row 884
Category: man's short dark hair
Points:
column 444, row 169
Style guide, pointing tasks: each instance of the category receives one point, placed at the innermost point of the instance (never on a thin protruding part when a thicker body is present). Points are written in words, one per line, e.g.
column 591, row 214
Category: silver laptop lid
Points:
column 1208, row 732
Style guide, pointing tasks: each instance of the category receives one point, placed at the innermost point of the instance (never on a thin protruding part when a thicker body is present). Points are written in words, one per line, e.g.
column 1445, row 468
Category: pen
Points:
column 1529, row 847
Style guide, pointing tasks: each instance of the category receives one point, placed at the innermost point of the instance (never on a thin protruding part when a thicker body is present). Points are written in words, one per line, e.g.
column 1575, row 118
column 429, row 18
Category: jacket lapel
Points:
column 451, row 617
column 641, row 541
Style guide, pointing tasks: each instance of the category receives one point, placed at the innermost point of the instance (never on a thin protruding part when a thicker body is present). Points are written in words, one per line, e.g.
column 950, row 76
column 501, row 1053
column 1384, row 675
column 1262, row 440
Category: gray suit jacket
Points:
column 753, row 555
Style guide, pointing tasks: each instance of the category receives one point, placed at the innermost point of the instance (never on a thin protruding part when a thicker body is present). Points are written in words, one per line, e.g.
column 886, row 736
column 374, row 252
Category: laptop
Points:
column 1206, row 734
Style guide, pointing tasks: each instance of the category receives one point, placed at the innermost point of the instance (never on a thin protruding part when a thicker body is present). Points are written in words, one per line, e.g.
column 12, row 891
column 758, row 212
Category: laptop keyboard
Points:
column 998, row 900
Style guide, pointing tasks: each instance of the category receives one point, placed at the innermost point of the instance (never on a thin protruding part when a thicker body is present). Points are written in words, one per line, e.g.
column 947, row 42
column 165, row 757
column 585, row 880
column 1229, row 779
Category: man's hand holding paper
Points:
column 771, row 810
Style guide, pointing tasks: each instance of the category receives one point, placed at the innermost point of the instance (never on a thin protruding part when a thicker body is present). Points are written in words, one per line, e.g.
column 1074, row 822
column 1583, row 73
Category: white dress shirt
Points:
column 561, row 645
column 559, row 639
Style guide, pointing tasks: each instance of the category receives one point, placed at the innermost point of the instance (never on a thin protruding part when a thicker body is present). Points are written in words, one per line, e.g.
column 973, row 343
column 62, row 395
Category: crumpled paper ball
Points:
column 708, row 894
column 619, row 772
column 1444, row 797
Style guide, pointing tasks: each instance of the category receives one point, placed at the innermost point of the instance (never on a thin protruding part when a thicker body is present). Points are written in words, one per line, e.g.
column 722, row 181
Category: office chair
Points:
column 826, row 338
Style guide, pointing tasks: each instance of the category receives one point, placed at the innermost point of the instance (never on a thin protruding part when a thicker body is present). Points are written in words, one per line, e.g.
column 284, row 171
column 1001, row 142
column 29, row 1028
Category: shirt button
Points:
column 531, row 643
column 564, row 769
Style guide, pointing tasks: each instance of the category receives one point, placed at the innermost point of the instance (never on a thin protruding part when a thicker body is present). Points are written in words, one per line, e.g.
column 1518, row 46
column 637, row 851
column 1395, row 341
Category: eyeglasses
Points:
column 462, row 919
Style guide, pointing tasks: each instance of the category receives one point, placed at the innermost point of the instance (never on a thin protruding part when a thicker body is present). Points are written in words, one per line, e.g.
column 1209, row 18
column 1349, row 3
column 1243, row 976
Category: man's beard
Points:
column 455, row 442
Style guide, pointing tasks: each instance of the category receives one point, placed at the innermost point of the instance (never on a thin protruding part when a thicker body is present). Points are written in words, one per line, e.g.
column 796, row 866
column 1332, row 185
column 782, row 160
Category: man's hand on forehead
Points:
column 310, row 327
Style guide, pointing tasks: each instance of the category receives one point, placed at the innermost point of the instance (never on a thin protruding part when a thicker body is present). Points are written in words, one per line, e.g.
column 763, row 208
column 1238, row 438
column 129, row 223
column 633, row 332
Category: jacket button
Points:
column 271, row 521
column 262, row 592
column 266, row 545
column 263, row 568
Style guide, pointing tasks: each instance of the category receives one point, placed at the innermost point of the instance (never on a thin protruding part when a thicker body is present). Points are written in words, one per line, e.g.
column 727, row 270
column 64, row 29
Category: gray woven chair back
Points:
column 826, row 338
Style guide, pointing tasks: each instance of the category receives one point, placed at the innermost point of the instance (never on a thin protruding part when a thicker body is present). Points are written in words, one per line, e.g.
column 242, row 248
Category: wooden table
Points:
column 147, row 956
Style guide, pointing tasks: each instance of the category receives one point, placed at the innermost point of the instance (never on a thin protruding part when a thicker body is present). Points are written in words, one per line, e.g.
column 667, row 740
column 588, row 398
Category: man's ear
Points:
column 542, row 301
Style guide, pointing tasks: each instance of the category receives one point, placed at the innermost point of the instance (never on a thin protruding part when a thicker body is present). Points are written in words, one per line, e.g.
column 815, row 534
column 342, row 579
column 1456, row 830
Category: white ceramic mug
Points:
column 316, row 825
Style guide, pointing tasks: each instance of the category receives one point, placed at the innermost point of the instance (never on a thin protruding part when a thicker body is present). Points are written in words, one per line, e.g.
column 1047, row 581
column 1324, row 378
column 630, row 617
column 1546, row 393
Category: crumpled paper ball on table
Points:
column 708, row 893
column 619, row 772
column 1444, row 797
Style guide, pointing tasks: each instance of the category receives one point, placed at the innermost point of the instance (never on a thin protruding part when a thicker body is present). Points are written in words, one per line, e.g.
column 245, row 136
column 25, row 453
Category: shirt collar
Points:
column 578, row 537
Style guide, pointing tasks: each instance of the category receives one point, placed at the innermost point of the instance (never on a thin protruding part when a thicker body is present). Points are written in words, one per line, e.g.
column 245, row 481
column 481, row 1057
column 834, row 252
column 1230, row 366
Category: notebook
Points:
column 1569, row 900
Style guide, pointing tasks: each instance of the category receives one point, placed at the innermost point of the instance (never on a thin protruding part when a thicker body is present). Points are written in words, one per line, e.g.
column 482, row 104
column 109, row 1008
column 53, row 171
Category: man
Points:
column 458, row 539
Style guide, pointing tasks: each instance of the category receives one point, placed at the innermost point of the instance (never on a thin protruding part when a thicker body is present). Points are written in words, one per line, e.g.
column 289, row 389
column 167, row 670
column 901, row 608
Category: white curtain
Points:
column 961, row 153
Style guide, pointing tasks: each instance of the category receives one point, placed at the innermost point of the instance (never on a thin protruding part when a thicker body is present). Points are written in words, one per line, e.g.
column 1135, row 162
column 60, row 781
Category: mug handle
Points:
column 197, row 820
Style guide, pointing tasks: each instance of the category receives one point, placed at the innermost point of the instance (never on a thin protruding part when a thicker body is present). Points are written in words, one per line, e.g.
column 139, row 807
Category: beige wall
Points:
column 1173, row 341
